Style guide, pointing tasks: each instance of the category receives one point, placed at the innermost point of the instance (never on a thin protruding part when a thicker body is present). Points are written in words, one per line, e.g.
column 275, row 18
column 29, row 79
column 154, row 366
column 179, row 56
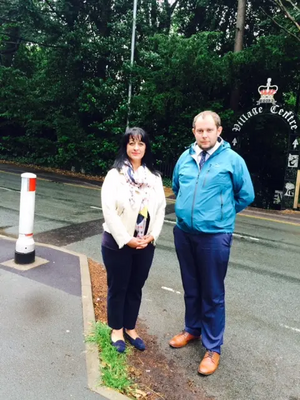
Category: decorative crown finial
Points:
column 267, row 93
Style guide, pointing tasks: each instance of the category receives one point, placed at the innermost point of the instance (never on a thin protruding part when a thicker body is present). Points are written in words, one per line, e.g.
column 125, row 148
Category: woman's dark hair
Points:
column 122, row 153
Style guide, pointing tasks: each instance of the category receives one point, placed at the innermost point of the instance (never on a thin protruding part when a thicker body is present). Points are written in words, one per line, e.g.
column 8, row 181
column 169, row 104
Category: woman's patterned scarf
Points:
column 138, row 181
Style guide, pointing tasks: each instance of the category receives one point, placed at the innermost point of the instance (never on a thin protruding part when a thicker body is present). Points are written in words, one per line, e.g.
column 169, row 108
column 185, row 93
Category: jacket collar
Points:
column 224, row 145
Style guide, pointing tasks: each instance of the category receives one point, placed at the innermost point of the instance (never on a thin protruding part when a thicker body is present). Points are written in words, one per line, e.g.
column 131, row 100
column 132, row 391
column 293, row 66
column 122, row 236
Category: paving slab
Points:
column 45, row 313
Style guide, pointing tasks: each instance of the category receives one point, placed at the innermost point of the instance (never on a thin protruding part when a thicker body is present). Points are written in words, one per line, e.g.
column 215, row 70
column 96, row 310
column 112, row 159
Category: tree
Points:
column 64, row 81
column 238, row 46
column 291, row 12
column 240, row 26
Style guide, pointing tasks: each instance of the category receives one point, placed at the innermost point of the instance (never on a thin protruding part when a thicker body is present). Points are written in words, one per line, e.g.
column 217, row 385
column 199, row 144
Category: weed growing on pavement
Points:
column 113, row 364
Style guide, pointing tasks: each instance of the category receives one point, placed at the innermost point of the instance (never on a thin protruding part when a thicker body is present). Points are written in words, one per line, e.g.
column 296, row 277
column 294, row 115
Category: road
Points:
column 261, row 353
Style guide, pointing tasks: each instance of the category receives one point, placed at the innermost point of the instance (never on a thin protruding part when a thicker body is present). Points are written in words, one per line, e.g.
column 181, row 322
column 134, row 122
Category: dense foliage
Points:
column 65, row 70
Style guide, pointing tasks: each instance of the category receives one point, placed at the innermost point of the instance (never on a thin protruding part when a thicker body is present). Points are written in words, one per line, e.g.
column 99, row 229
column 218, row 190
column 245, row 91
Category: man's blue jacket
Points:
column 208, row 200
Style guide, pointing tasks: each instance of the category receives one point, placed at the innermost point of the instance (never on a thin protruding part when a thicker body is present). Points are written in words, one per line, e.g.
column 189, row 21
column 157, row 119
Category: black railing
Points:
column 166, row 169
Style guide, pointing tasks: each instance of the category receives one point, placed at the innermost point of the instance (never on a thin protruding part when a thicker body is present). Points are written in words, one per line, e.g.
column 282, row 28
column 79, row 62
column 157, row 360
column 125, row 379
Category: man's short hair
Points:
column 206, row 113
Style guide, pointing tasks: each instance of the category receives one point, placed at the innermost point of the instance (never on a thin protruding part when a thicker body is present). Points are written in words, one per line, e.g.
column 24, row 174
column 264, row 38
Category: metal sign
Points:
column 268, row 105
column 288, row 116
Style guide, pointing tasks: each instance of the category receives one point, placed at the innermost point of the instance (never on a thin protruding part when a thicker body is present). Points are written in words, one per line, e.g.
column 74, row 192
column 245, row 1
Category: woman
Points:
column 133, row 204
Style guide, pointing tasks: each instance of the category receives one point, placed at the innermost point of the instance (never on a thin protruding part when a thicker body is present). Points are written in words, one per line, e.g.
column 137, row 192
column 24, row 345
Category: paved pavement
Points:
column 46, row 311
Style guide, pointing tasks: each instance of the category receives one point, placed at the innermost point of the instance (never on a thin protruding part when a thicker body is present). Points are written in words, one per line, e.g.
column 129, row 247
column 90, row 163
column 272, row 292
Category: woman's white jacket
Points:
column 120, row 217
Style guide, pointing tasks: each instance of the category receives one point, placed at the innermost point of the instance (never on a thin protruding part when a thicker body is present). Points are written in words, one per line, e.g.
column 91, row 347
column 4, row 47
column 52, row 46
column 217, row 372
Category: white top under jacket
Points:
column 120, row 217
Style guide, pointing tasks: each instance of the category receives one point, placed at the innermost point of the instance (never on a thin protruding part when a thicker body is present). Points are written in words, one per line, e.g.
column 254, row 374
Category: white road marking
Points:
column 168, row 221
column 3, row 188
column 246, row 237
column 290, row 328
column 235, row 234
column 170, row 290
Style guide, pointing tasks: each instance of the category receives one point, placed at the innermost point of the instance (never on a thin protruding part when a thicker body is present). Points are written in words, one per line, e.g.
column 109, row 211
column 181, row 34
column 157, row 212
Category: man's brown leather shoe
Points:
column 209, row 363
column 182, row 339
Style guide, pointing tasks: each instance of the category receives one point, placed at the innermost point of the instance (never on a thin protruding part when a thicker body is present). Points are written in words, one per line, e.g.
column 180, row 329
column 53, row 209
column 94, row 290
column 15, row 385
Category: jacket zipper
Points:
column 192, row 225
column 207, row 172
column 193, row 204
column 221, row 195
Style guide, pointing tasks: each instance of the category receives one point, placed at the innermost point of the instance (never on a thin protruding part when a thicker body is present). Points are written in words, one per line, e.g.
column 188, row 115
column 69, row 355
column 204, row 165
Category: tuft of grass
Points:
column 113, row 364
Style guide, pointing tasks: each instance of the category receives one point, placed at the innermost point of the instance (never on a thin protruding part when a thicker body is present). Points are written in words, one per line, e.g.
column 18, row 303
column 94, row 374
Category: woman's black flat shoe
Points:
column 138, row 343
column 119, row 345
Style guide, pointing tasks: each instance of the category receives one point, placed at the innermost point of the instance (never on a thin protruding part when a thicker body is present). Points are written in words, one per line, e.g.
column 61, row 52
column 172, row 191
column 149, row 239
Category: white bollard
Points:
column 25, row 252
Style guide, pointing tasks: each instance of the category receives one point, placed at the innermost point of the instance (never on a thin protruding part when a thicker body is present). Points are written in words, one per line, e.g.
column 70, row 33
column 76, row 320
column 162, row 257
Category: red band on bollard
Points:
column 32, row 185
column 28, row 234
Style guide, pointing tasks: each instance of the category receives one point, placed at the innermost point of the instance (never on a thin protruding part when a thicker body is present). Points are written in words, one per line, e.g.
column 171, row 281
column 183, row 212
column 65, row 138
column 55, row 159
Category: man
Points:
column 211, row 183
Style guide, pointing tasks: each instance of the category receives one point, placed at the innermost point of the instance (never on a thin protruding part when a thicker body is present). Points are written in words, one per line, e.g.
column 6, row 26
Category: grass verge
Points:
column 114, row 369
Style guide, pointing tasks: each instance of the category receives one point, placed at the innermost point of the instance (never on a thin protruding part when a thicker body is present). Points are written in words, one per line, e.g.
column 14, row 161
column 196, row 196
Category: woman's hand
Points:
column 136, row 243
column 148, row 239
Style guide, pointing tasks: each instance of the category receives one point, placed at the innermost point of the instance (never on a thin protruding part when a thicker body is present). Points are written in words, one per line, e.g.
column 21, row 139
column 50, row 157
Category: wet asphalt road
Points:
column 261, row 353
